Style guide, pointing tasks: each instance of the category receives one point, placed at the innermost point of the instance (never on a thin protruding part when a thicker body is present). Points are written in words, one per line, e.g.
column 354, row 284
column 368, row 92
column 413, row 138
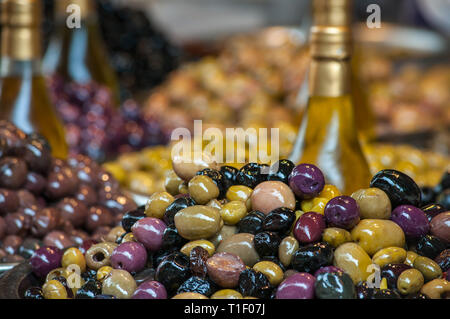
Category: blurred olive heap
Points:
column 95, row 127
column 48, row 201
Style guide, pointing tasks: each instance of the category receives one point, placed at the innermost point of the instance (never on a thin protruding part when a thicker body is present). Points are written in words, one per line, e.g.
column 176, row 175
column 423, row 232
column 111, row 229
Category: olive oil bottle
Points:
column 339, row 13
column 77, row 52
column 328, row 134
column 24, row 99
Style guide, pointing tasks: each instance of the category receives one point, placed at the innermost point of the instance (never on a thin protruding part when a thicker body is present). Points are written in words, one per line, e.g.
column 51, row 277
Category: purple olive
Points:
column 45, row 259
column 130, row 256
column 306, row 181
column 149, row 231
column 342, row 212
column 297, row 286
column 150, row 289
column 309, row 227
column 412, row 220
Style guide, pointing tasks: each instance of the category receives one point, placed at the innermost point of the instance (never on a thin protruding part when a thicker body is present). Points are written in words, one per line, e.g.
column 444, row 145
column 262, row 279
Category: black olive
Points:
column 177, row 205
column 280, row 171
column 266, row 243
column 173, row 271
column 229, row 174
column 428, row 195
column 279, row 220
column 33, row 293
column 255, row 284
column 444, row 183
column 144, row 275
column 416, row 296
column 89, row 290
column 432, row 210
column 251, row 223
column 197, row 261
column 443, row 260
column 400, row 188
column 443, row 199
column 130, row 218
column 334, row 285
column 251, row 175
column 391, row 272
column 199, row 285
column 171, row 238
column 430, row 246
column 310, row 258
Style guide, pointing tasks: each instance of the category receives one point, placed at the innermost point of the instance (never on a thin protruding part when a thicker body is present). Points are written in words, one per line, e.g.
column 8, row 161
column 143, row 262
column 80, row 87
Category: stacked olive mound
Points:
column 219, row 232
column 49, row 201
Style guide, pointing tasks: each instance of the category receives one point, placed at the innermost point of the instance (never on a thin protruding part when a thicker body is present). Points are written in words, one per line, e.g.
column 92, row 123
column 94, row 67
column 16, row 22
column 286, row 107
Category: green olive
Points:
column 410, row 281
column 428, row 267
column 203, row 189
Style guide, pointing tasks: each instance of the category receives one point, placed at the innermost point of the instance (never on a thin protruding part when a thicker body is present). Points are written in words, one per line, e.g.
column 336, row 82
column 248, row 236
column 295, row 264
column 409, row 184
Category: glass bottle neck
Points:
column 329, row 77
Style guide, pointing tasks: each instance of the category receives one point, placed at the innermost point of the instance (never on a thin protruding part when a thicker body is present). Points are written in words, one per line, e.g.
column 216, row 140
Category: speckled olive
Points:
column 224, row 269
column 412, row 220
column 253, row 283
column 242, row 245
column 443, row 260
column 99, row 255
column 432, row 210
column 334, row 285
column 336, row 236
column 177, row 205
column 279, row 220
column 373, row 203
column 130, row 218
column 342, row 212
column 173, row 271
column 306, row 181
column 202, row 189
column 225, row 232
column 157, row 204
column 206, row 244
column 226, row 294
column 410, row 281
column 272, row 271
column 120, row 284
column 232, row 212
column 198, row 222
column 149, row 231
column 286, row 250
column 309, row 227
column 440, row 226
column 389, row 255
column 297, row 286
column 391, row 272
column 267, row 243
column 130, row 256
column 375, row 234
column 436, row 289
column 45, row 259
column 428, row 267
column 353, row 260
column 34, row 293
column 312, row 257
column 252, row 223
column 399, row 187
column 240, row 192
column 430, row 246
column 270, row 195
column 280, row 171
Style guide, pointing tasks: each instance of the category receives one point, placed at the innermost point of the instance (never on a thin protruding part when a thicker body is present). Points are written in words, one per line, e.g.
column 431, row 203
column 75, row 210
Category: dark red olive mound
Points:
column 400, row 188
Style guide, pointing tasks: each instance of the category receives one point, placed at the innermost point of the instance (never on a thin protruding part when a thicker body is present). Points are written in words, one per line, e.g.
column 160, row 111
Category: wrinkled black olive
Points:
column 229, row 174
column 443, row 260
column 199, row 285
column 310, row 258
column 400, row 188
column 217, row 178
column 173, row 271
column 255, row 284
column 171, row 238
column 280, row 171
column 279, row 220
column 251, row 175
column 251, row 223
column 266, row 243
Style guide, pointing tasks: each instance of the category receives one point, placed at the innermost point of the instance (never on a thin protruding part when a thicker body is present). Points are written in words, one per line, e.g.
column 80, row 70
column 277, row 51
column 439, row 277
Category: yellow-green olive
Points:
column 410, row 257
column 215, row 204
column 206, row 244
column 103, row 272
column 336, row 236
column 119, row 283
column 186, row 169
column 114, row 234
column 389, row 255
column 287, row 249
column 226, row 294
column 373, row 203
column 99, row 255
column 353, row 260
column 410, row 281
column 272, row 271
column 157, row 204
column 54, row 289
column 232, row 212
column 73, row 256
column 375, row 234
column 436, row 289
column 190, row 295
column 198, row 222
column 428, row 267
column 172, row 183
column 241, row 193
column 202, row 189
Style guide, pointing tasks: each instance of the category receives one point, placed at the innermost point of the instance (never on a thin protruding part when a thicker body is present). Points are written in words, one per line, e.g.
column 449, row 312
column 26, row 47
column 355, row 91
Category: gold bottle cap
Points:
column 86, row 6
column 331, row 42
column 332, row 12
column 21, row 32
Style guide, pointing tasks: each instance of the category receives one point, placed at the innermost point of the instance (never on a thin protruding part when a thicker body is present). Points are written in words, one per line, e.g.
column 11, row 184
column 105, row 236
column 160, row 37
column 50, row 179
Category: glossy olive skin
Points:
column 198, row 285
column 391, row 272
column 173, row 271
column 252, row 223
column 89, row 290
column 443, row 260
column 130, row 218
column 198, row 257
column 334, row 285
column 33, row 293
column 177, row 205
column 312, row 257
column 279, row 220
column 430, row 246
column 217, row 178
column 250, row 175
column 353, row 260
column 410, row 281
column 399, row 187
column 432, row 210
column 267, row 243
column 255, row 284
column 281, row 174
column 229, row 174
column 172, row 239
column 428, row 267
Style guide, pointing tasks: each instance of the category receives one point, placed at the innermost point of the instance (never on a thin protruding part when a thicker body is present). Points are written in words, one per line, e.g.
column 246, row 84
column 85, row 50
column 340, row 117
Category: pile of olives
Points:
column 277, row 232
column 46, row 201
